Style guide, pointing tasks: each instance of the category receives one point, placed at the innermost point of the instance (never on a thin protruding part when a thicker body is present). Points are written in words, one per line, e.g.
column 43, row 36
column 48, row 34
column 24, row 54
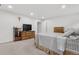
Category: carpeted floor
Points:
column 25, row 47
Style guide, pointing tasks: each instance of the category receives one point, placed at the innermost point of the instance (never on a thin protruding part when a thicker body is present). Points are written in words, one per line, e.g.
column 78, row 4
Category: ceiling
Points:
column 41, row 10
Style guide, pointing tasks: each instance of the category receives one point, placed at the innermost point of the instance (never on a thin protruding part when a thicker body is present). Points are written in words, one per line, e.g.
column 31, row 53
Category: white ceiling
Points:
column 39, row 10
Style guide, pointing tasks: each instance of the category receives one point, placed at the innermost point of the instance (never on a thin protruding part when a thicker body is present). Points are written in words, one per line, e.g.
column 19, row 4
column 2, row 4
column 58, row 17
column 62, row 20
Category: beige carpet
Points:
column 25, row 47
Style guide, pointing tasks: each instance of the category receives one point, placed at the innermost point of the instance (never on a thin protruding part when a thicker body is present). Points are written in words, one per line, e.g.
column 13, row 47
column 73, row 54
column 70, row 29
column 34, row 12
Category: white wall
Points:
column 8, row 21
column 25, row 20
column 65, row 21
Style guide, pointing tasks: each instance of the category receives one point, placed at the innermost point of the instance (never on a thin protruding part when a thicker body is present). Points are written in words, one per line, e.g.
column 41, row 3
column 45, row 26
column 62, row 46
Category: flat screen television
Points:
column 27, row 27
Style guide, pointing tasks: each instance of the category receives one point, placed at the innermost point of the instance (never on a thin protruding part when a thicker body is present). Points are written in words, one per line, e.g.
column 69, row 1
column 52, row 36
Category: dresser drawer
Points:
column 28, row 35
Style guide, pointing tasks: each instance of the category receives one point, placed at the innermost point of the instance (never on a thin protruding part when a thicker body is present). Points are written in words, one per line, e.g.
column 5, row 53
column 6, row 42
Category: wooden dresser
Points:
column 27, row 35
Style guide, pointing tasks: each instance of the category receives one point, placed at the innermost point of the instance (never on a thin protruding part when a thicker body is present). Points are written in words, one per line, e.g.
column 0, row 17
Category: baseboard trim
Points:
column 47, row 50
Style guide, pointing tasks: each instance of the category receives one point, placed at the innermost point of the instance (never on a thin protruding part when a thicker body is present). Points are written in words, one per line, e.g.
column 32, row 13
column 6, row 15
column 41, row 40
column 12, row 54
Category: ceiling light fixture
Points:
column 31, row 13
column 10, row 6
column 63, row 6
column 42, row 17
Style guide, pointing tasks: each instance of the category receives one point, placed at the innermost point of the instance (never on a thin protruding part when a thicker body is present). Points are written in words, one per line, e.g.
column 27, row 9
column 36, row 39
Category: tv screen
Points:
column 27, row 27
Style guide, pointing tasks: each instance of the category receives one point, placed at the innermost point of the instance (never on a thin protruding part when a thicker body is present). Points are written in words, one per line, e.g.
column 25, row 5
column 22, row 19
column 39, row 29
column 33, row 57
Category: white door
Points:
column 38, row 27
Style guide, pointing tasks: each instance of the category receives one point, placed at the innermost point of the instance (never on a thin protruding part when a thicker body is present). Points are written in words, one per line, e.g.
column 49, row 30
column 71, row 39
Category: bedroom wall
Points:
column 65, row 21
column 8, row 21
